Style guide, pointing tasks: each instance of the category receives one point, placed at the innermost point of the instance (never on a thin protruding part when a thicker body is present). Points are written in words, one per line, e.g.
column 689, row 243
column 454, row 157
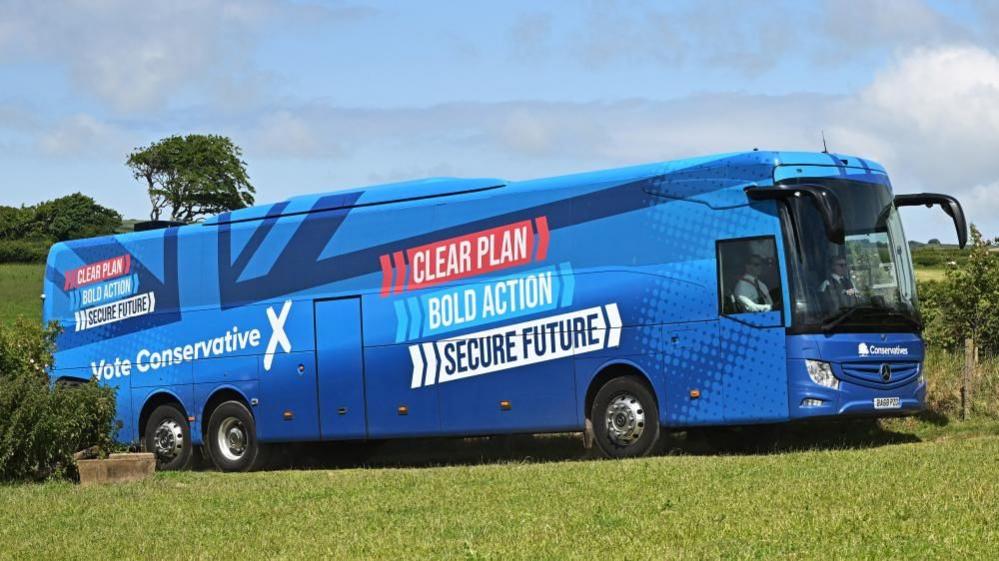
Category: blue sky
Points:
column 329, row 95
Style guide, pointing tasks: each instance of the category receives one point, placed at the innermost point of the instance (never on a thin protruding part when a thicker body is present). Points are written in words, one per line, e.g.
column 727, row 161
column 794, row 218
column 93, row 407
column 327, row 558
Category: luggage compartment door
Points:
column 340, row 368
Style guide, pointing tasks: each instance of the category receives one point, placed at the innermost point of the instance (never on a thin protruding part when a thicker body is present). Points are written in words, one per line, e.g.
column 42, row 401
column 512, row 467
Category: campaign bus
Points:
column 737, row 289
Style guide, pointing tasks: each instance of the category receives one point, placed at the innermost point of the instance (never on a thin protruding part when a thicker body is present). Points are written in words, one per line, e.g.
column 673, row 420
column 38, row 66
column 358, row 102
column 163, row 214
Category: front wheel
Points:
column 232, row 438
column 625, row 418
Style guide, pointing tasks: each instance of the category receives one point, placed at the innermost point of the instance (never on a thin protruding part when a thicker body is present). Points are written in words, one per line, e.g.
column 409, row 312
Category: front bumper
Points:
column 807, row 400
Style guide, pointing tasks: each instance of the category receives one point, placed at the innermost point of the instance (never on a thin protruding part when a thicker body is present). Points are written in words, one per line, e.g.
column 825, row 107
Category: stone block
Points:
column 117, row 468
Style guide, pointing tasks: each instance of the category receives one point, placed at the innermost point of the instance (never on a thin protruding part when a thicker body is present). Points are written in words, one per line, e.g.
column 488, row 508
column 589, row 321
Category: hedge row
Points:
column 24, row 251
column 937, row 257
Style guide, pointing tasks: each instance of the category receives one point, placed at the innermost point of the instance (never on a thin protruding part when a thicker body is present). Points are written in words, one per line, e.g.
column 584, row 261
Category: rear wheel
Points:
column 625, row 418
column 232, row 439
column 169, row 437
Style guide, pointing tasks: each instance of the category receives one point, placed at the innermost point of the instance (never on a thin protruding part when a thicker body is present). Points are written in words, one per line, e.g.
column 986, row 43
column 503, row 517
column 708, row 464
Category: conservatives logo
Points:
column 865, row 350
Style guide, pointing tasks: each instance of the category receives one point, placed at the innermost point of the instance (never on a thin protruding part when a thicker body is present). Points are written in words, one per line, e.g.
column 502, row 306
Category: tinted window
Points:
column 748, row 276
column 864, row 283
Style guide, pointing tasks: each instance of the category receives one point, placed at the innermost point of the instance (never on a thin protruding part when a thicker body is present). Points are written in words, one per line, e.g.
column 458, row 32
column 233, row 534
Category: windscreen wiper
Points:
column 842, row 316
column 905, row 318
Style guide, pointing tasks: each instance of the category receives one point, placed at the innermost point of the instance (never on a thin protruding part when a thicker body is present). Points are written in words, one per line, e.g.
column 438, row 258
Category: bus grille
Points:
column 870, row 373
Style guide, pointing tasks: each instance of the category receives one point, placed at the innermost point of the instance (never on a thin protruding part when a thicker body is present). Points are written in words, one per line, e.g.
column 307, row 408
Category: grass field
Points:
column 918, row 501
column 20, row 288
column 924, row 274
column 907, row 488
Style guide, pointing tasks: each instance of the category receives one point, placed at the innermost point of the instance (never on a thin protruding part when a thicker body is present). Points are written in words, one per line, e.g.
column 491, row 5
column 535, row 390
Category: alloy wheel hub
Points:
column 232, row 439
column 168, row 440
column 625, row 419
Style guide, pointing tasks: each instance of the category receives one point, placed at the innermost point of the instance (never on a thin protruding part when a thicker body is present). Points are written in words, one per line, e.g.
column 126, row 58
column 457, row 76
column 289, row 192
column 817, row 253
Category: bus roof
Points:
column 367, row 196
column 450, row 186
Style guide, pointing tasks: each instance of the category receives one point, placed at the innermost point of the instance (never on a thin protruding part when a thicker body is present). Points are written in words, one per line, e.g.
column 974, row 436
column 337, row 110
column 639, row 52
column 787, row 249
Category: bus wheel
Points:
column 625, row 418
column 169, row 437
column 232, row 438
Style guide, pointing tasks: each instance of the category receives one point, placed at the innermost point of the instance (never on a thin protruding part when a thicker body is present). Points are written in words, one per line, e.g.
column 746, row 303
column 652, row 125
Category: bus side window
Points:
column 748, row 276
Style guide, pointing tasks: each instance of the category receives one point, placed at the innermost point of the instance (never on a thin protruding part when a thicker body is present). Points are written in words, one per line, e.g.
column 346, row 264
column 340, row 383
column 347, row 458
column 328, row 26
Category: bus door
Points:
column 340, row 368
column 752, row 352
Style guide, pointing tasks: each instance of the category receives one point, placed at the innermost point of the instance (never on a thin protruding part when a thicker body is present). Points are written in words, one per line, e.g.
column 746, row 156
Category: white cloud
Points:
column 930, row 117
column 750, row 38
column 83, row 135
column 850, row 27
column 934, row 114
column 138, row 56
column 284, row 134
column 984, row 199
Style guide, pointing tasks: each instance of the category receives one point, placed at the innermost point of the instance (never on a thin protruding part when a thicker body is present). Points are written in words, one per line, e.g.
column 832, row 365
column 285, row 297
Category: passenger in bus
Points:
column 838, row 290
column 751, row 294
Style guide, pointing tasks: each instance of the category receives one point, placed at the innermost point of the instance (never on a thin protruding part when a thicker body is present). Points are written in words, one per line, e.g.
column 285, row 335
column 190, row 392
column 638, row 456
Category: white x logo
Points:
column 278, row 336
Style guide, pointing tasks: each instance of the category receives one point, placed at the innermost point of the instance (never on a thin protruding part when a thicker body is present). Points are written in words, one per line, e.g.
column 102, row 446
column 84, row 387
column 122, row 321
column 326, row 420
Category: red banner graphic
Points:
column 97, row 272
column 465, row 256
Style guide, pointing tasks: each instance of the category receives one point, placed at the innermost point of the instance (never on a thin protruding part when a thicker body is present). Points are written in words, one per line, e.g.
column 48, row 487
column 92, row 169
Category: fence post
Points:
column 966, row 377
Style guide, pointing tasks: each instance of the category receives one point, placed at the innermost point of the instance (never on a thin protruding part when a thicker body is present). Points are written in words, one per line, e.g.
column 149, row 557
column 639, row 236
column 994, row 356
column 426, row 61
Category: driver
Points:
column 750, row 292
column 838, row 289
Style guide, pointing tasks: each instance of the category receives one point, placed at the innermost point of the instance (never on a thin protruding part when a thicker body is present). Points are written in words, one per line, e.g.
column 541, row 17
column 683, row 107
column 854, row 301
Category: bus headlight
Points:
column 821, row 373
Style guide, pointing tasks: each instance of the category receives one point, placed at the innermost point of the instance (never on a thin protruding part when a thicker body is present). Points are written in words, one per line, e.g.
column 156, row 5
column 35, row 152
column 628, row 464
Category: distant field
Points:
column 924, row 274
column 20, row 288
column 930, row 500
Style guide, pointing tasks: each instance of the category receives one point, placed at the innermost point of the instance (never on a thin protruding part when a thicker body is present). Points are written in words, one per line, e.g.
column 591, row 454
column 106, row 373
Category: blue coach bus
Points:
column 747, row 288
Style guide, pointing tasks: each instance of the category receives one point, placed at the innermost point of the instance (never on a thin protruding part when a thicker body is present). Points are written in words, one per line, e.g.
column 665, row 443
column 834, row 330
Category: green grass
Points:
column 918, row 501
column 20, row 288
column 917, row 489
column 924, row 274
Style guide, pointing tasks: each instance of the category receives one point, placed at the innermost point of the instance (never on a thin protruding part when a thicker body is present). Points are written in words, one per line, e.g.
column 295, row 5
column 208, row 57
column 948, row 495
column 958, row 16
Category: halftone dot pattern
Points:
column 753, row 363
column 736, row 368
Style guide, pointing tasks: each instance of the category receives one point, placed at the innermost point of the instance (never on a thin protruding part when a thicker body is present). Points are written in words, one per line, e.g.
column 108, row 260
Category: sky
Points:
column 329, row 95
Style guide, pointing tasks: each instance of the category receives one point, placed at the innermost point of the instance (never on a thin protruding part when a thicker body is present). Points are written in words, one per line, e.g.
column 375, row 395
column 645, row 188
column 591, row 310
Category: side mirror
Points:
column 825, row 201
column 949, row 204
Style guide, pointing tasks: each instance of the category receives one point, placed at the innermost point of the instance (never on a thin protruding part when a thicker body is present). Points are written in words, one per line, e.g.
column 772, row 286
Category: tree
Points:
column 16, row 223
column 193, row 176
column 966, row 301
column 75, row 216
column 961, row 310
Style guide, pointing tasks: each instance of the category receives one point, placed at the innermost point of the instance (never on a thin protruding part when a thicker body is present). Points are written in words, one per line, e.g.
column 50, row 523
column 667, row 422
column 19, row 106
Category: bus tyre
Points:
column 169, row 437
column 625, row 418
column 232, row 438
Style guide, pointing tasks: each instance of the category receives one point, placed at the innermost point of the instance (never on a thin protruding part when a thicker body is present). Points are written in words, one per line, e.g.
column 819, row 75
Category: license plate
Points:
column 887, row 403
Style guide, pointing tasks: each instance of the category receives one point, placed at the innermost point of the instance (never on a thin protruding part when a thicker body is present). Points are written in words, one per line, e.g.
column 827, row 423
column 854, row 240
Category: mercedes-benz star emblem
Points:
column 886, row 372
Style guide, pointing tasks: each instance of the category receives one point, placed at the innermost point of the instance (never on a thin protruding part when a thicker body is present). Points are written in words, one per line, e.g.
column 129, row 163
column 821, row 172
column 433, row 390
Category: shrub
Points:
column 963, row 305
column 27, row 232
column 75, row 216
column 23, row 251
column 16, row 222
column 43, row 425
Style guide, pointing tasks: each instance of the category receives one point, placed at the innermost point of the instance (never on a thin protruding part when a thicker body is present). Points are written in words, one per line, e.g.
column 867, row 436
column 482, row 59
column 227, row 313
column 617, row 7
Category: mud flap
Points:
column 588, row 435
